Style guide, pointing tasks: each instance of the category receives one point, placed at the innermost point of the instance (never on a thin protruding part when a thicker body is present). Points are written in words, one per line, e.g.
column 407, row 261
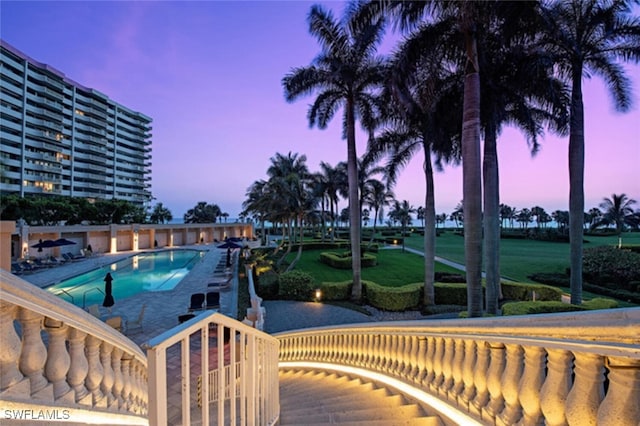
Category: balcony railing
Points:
column 556, row 369
column 57, row 358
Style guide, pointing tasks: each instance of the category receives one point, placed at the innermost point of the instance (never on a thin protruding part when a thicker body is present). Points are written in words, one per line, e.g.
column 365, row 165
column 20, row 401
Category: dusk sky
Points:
column 209, row 74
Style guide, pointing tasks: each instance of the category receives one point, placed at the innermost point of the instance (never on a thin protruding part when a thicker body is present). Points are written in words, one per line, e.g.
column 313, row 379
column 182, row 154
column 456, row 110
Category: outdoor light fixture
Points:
column 318, row 295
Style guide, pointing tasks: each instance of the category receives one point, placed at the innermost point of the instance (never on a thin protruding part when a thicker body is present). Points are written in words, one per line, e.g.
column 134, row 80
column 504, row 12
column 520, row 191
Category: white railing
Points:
column 556, row 369
column 178, row 357
column 57, row 362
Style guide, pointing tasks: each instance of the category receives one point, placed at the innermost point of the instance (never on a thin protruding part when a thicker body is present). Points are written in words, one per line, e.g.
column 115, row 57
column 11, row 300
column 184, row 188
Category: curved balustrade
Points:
column 57, row 360
column 557, row 369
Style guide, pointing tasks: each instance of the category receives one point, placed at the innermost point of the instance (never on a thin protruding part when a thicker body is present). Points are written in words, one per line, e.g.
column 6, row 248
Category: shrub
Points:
column 340, row 290
column 451, row 294
column 296, row 285
column 523, row 291
column 600, row 303
column 529, row 308
column 343, row 260
column 268, row 285
column 554, row 279
column 393, row 298
column 611, row 267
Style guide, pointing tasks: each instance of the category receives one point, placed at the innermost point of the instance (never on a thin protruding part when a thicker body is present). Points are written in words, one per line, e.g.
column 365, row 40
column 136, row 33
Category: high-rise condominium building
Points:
column 61, row 138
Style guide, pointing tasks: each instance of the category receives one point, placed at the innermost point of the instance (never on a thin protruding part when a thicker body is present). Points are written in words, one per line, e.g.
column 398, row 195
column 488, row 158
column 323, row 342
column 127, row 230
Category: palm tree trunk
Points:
column 354, row 201
column 491, row 218
column 576, row 186
column 429, row 297
column 471, row 175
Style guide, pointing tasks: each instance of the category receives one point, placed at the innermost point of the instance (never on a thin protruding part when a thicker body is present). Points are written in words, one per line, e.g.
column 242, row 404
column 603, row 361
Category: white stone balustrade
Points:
column 557, row 369
column 59, row 357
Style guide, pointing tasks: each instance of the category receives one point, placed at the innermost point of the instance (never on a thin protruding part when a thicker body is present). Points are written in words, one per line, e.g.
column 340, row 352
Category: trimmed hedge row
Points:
column 402, row 298
column 343, row 260
column 547, row 307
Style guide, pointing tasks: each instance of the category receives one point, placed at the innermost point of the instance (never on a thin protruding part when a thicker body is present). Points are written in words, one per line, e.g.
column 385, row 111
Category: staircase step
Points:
column 310, row 398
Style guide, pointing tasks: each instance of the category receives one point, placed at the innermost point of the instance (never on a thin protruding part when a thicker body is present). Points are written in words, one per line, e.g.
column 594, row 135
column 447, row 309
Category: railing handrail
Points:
column 498, row 370
column 250, row 387
column 21, row 293
column 607, row 325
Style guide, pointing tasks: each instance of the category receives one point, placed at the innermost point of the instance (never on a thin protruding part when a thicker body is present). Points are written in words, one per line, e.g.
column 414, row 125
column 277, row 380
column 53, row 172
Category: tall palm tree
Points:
column 589, row 37
column 160, row 214
column 423, row 117
column 257, row 202
column 461, row 17
column 344, row 75
column 617, row 210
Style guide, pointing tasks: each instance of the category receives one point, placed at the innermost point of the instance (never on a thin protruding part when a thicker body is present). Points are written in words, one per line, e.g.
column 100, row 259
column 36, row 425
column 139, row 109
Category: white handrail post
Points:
column 157, row 361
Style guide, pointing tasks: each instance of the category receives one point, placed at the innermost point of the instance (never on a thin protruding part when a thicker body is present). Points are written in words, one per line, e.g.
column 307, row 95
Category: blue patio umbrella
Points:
column 63, row 242
column 44, row 244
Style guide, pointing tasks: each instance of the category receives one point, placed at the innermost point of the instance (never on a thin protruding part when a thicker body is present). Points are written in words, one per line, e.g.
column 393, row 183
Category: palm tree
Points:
column 377, row 198
column 160, row 214
column 401, row 212
column 202, row 213
column 344, row 74
column 258, row 202
column 423, row 117
column 589, row 37
column 617, row 211
column 333, row 179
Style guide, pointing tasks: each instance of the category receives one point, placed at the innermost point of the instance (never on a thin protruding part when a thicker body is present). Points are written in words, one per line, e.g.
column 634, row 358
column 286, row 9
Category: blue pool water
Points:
column 155, row 271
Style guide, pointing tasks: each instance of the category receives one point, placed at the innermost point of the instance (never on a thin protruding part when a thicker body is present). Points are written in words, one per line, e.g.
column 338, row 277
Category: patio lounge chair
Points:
column 115, row 322
column 94, row 310
column 136, row 325
column 197, row 302
column 213, row 300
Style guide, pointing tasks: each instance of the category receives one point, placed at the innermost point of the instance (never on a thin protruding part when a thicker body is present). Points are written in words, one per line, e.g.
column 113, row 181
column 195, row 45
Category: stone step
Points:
column 310, row 398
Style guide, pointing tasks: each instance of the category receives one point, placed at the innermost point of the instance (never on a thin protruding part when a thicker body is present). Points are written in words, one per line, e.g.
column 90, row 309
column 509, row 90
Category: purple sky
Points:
column 209, row 74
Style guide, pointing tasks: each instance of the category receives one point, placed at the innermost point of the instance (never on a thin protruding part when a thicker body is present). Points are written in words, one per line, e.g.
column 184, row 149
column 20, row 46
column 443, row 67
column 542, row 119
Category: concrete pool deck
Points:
column 163, row 307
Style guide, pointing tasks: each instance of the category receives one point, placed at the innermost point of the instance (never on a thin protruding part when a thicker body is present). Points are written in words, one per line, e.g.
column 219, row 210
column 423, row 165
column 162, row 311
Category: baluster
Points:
column 529, row 389
column 387, row 361
column 511, row 376
column 480, row 379
column 377, row 351
column 58, row 360
column 456, row 370
column 494, row 384
column 438, row 377
column 413, row 363
column 587, row 391
column 118, row 383
column 33, row 354
column 428, row 362
column 447, row 367
column 366, row 360
column 621, row 406
column 357, row 344
column 467, row 374
column 393, row 354
column 96, row 372
column 554, row 391
column 79, row 366
column 10, row 343
column 398, row 364
column 126, row 379
column 420, row 363
column 108, row 375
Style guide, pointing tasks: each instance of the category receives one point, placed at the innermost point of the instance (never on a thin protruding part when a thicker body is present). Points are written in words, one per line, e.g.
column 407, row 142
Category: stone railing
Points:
column 556, row 369
column 59, row 363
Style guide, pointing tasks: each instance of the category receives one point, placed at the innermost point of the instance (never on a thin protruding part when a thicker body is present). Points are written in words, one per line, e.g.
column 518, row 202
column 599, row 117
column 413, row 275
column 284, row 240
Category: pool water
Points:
column 155, row 271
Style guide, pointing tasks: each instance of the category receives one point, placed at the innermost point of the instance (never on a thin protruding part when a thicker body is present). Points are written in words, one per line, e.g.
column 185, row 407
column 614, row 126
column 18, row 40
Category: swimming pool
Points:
column 153, row 271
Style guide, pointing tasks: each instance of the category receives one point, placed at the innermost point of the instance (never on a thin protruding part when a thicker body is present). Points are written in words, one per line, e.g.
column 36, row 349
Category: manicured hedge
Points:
column 340, row 290
column 547, row 307
column 267, row 285
column 523, row 291
column 343, row 260
column 611, row 267
column 393, row 298
column 296, row 285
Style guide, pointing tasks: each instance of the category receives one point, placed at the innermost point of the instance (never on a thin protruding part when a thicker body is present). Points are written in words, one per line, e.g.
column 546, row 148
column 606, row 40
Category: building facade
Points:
column 61, row 138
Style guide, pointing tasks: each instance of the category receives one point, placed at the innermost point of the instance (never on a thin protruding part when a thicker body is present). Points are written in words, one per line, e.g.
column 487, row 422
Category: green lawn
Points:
column 394, row 268
column 520, row 258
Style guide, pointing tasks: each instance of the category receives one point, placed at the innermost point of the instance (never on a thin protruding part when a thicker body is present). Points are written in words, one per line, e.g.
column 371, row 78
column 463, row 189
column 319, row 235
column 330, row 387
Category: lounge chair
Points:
column 197, row 302
column 94, row 310
column 136, row 325
column 115, row 322
column 213, row 300
column 16, row 269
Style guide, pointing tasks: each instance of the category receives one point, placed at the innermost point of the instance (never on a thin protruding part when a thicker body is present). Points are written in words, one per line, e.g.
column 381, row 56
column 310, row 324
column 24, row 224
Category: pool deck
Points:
column 163, row 307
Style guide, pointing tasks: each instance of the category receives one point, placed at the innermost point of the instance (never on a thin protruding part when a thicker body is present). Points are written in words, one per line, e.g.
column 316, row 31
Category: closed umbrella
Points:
column 108, row 296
